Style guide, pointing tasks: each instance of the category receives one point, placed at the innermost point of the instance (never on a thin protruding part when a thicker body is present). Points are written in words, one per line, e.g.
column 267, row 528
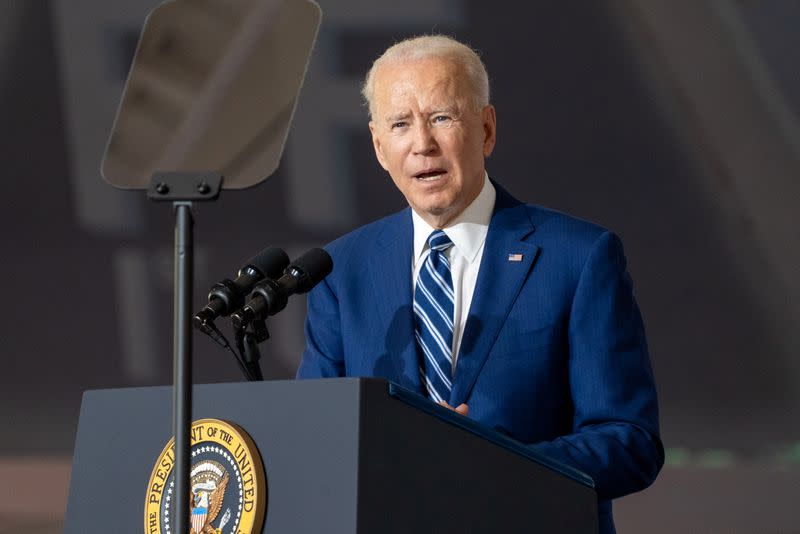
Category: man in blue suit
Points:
column 545, row 342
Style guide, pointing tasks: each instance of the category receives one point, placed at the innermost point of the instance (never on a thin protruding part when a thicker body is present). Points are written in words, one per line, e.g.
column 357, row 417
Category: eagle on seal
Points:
column 205, row 506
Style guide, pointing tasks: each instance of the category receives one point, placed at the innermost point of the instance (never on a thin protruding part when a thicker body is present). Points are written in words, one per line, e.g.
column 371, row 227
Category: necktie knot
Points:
column 438, row 240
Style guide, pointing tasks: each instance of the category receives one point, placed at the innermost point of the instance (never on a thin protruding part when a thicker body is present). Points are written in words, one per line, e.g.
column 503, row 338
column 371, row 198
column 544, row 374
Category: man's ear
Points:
column 489, row 118
column 376, row 143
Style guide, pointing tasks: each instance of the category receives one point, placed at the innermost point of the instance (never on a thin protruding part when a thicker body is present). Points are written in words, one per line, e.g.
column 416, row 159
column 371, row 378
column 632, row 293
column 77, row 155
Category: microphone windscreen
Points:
column 310, row 268
column 270, row 262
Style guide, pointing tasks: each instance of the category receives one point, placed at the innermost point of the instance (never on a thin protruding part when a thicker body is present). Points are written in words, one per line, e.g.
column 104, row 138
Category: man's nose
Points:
column 424, row 141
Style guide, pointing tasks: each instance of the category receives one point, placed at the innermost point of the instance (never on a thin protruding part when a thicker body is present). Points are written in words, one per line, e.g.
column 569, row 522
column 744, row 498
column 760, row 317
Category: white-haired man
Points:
column 520, row 317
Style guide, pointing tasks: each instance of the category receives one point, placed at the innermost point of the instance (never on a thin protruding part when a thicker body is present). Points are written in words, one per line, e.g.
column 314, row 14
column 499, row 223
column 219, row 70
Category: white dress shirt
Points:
column 468, row 234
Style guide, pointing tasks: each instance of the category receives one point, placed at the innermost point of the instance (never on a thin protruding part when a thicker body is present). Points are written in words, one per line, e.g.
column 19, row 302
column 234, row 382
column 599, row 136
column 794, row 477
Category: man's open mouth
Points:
column 430, row 174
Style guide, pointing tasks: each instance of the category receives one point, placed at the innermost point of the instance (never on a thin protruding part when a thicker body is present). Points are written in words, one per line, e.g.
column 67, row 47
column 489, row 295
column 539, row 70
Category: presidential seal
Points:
column 228, row 486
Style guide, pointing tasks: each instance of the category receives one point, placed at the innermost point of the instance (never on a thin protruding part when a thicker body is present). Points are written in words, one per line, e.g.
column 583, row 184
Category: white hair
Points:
column 429, row 46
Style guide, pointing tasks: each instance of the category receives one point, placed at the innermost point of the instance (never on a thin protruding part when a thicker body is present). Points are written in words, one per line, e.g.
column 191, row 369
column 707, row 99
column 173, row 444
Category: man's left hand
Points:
column 462, row 408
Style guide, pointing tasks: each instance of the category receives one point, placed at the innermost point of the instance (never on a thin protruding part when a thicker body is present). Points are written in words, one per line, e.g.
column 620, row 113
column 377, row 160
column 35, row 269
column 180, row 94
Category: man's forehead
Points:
column 433, row 83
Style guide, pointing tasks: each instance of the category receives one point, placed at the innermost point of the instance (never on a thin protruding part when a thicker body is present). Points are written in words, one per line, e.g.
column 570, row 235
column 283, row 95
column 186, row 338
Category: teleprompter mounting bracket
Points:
column 173, row 186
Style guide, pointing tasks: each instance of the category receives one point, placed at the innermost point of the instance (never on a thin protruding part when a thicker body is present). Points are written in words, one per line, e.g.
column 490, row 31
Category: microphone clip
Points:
column 247, row 340
column 257, row 329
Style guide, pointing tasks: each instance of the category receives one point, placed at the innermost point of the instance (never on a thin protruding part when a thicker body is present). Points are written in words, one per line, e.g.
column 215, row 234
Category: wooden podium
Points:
column 340, row 455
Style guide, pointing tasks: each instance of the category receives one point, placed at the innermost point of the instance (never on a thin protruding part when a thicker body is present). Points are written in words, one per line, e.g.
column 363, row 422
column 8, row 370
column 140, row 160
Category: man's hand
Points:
column 462, row 408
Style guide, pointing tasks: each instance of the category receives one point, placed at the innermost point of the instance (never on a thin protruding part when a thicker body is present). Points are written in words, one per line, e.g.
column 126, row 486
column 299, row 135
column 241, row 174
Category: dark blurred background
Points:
column 675, row 124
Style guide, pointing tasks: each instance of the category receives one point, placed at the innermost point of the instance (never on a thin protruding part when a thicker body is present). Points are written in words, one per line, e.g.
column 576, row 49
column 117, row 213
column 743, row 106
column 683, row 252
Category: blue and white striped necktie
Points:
column 433, row 317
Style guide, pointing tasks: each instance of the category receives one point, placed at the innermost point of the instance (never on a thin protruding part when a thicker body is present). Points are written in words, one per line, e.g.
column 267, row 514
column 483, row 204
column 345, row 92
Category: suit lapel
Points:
column 391, row 282
column 500, row 279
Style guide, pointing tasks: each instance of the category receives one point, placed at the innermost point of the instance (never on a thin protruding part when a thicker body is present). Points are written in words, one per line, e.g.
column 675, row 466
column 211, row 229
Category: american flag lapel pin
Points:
column 515, row 257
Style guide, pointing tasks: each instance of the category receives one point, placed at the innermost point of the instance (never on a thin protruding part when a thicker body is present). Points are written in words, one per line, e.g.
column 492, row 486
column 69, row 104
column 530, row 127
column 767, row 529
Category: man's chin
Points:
column 434, row 207
column 437, row 215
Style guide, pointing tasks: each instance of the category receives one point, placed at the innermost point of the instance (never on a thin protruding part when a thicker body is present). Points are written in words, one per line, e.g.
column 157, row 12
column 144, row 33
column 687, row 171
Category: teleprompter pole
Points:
column 182, row 364
column 181, row 189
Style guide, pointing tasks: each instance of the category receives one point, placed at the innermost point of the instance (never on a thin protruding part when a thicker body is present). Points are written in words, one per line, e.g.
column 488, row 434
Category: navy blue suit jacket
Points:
column 553, row 352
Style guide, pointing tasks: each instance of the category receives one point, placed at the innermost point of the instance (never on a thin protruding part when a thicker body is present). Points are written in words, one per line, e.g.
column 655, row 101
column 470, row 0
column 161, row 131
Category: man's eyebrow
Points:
column 452, row 110
column 398, row 116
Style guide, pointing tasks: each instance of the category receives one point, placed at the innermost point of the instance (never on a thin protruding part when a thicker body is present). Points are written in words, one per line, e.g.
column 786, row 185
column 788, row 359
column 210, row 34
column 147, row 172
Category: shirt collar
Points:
column 467, row 231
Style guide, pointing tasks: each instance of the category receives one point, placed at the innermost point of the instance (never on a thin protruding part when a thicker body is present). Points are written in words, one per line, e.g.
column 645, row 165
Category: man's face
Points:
column 429, row 137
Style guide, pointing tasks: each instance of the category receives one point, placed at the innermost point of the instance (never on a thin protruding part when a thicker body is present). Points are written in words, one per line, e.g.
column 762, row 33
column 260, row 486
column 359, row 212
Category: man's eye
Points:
column 399, row 124
column 442, row 119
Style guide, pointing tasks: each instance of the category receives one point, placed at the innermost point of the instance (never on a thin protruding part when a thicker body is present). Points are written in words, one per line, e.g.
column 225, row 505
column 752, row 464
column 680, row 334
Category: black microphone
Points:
column 228, row 295
column 270, row 296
